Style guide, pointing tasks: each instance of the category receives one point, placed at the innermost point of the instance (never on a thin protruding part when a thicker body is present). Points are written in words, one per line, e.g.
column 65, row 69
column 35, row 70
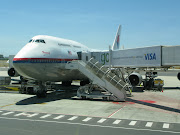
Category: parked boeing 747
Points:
column 44, row 57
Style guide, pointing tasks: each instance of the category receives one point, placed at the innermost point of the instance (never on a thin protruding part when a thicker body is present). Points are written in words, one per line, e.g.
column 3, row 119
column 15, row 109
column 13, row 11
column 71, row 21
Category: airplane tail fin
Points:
column 116, row 43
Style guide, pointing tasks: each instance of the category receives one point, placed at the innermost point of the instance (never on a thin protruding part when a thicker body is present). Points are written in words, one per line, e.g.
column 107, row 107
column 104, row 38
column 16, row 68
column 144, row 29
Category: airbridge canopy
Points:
column 155, row 56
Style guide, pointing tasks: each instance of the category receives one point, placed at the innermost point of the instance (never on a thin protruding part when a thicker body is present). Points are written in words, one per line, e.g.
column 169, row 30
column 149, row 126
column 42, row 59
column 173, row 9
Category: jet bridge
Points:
column 102, row 77
column 151, row 60
column 144, row 57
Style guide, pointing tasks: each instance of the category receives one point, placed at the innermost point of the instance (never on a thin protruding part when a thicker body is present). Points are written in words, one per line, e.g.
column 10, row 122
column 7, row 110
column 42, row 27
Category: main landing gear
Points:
column 41, row 92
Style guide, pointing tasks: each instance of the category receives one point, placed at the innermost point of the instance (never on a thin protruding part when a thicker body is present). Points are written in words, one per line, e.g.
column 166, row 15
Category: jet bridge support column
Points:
column 110, row 57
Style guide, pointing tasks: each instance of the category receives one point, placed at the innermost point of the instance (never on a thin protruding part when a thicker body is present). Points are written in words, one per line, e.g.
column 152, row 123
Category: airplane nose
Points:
column 20, row 67
column 16, row 65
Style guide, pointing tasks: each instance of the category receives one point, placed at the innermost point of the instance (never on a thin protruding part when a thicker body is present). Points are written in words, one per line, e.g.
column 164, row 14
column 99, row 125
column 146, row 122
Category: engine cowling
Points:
column 135, row 79
column 178, row 76
column 12, row 72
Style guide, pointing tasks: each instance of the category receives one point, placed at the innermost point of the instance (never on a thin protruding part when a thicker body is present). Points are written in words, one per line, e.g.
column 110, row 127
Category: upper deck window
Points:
column 40, row 41
column 64, row 45
column 76, row 46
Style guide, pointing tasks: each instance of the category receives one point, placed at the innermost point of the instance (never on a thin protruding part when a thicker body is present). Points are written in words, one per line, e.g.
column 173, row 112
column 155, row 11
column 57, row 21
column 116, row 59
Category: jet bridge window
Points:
column 40, row 41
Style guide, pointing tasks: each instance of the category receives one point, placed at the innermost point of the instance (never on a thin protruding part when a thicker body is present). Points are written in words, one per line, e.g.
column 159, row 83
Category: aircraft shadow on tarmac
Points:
column 169, row 88
column 63, row 93
column 53, row 96
column 154, row 105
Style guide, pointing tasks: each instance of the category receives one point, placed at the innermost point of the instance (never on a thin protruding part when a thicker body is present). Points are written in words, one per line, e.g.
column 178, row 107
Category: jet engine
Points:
column 178, row 76
column 12, row 72
column 135, row 79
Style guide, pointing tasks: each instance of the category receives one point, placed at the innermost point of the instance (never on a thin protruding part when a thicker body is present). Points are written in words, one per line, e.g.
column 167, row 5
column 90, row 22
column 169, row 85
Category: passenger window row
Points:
column 46, row 61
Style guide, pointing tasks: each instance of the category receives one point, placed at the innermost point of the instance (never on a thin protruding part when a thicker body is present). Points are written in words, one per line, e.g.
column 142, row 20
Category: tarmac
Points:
column 147, row 105
column 143, row 106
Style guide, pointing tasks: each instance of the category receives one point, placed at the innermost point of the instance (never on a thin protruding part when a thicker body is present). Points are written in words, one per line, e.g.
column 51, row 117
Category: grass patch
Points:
column 3, row 63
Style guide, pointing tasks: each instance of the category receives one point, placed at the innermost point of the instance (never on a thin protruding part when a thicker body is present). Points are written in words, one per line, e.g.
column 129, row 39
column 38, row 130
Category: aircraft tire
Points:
column 82, row 83
column 22, row 91
column 66, row 83
column 41, row 94
column 83, row 97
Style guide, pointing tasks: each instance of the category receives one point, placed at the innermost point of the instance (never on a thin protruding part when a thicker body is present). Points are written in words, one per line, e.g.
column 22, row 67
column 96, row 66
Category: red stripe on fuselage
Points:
column 25, row 59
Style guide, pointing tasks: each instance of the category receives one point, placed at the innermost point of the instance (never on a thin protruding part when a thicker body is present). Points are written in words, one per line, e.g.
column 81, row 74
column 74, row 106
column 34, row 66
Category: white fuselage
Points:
column 44, row 59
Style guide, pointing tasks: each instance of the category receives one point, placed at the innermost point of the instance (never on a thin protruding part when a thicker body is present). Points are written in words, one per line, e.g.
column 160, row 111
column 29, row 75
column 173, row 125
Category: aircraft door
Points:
column 79, row 55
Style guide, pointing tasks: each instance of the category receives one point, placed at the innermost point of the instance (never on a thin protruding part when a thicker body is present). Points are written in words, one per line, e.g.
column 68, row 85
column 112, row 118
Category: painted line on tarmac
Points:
column 149, row 124
column 101, row 120
column 9, row 88
column 87, row 119
column 116, row 121
column 73, row 118
column 132, row 123
column 116, row 111
column 13, row 88
column 7, row 113
column 49, row 112
column 19, row 114
column 103, row 126
column 59, row 117
column 45, row 116
column 165, row 125
column 6, row 105
column 32, row 115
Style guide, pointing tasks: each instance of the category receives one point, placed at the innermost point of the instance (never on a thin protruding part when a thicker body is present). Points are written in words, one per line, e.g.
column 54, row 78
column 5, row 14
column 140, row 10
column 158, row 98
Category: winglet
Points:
column 116, row 43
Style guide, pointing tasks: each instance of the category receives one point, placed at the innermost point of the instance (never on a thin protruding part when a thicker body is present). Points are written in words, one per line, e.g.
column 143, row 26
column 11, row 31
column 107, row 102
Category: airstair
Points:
column 102, row 77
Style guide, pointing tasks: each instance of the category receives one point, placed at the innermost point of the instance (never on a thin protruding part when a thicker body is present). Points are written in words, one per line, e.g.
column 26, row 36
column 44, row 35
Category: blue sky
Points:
column 91, row 22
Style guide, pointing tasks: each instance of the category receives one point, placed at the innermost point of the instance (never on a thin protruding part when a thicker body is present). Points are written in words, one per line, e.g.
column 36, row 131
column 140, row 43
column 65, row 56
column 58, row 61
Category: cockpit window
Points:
column 37, row 41
column 30, row 41
column 40, row 41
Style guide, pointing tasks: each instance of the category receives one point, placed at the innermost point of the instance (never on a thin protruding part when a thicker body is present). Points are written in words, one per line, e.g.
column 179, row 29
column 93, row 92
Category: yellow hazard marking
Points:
column 13, row 88
column 158, row 81
column 6, row 105
column 41, row 103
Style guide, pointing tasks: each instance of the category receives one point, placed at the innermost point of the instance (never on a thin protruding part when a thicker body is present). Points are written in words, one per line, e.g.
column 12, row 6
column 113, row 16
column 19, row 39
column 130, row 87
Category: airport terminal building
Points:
column 1, row 56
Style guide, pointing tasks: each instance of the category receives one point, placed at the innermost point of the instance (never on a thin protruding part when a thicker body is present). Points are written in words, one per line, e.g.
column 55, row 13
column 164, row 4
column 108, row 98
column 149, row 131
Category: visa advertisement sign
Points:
column 138, row 57
column 150, row 56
